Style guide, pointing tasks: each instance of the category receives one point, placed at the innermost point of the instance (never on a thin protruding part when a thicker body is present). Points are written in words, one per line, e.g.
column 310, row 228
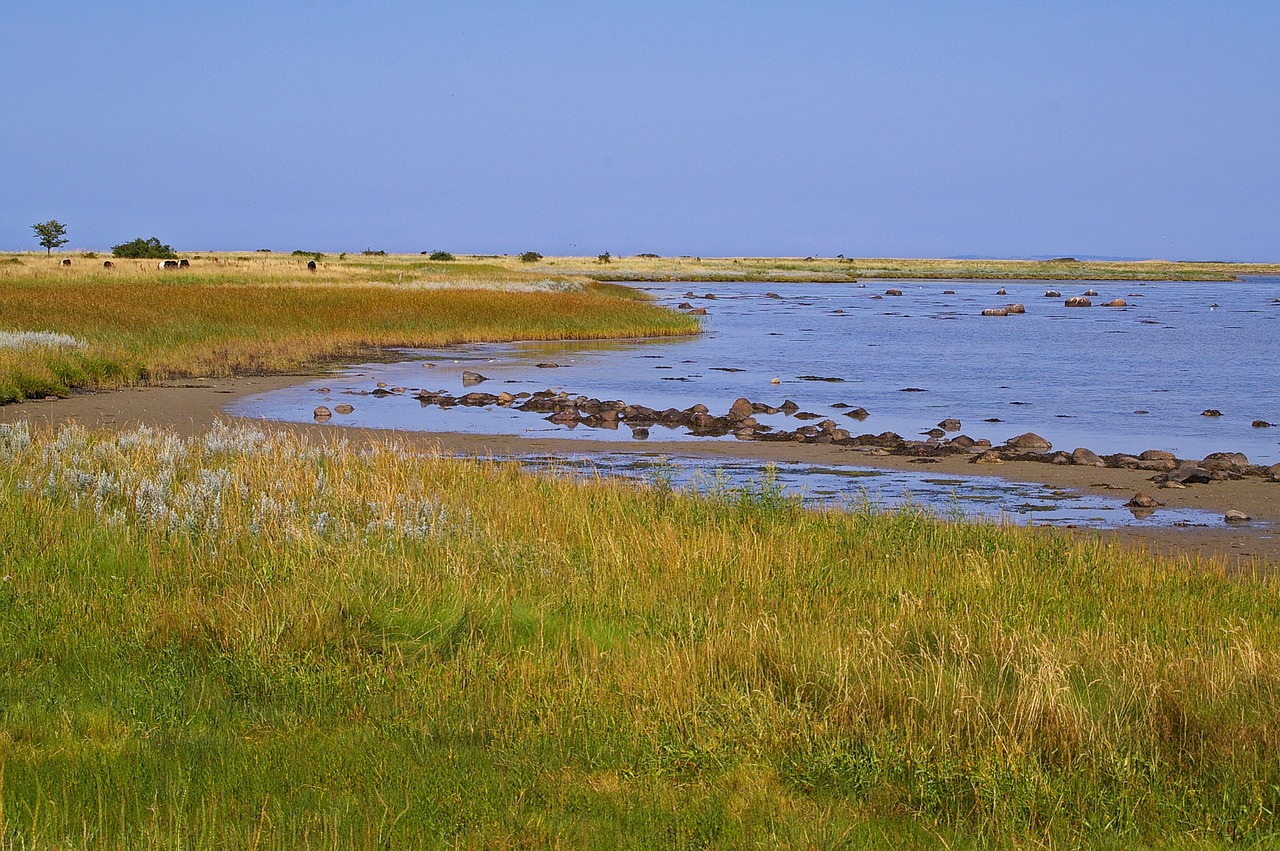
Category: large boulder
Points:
column 1083, row 457
column 1030, row 441
column 1078, row 301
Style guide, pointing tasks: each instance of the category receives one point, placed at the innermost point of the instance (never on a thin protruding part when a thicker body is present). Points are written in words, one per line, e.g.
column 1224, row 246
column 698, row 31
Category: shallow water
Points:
column 1110, row 379
column 969, row 497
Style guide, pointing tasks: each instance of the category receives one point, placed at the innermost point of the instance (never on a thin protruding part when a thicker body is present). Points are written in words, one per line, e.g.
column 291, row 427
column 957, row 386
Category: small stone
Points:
column 1001, row 291
column 1211, row 412
column 469, row 377
column 1116, row 302
column 1078, row 301
column 1091, row 292
column 893, row 291
column 995, row 311
column 1234, row 516
column 775, row 380
column 1052, row 294
column 1143, row 500
column 950, row 424
column 322, row 413
column 1015, row 308
column 988, row 457
column 344, row 408
column 1261, row 424
column 547, row 365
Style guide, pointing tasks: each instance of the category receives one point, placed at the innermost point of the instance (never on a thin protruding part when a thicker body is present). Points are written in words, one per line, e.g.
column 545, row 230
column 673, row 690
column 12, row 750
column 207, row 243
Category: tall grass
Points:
column 226, row 316
column 251, row 639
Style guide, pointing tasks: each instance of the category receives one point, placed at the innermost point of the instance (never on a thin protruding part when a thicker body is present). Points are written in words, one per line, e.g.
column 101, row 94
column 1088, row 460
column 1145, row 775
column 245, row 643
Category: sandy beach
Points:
column 188, row 408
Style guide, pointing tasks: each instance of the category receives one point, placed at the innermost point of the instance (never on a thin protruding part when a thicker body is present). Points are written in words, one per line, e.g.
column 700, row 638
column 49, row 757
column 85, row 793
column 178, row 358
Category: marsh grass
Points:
column 252, row 639
column 226, row 316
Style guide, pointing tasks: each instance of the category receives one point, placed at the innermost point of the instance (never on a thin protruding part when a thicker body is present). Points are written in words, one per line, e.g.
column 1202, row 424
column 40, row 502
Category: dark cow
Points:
column 184, row 263
column 311, row 265
column 167, row 264
column 107, row 264
column 66, row 261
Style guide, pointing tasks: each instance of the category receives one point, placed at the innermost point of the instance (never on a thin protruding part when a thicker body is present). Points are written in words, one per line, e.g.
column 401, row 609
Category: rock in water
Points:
column 469, row 378
column 344, row 408
column 322, row 414
column 1143, row 500
column 1078, row 301
column 1234, row 516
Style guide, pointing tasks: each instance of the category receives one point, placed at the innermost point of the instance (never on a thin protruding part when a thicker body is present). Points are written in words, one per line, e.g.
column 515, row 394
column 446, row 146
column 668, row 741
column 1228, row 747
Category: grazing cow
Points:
column 167, row 264
column 184, row 263
column 311, row 265
column 107, row 264
column 66, row 261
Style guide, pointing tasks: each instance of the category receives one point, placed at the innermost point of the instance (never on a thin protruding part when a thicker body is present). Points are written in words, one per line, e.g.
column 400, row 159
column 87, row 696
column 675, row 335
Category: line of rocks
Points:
column 740, row 420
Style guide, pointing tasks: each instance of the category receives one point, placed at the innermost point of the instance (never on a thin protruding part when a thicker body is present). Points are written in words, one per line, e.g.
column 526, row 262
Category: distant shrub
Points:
column 604, row 258
column 342, row 256
column 146, row 249
column 90, row 255
column 650, row 256
column 14, row 261
column 264, row 250
column 530, row 257
column 1064, row 260
column 369, row 252
column 314, row 255
column 442, row 256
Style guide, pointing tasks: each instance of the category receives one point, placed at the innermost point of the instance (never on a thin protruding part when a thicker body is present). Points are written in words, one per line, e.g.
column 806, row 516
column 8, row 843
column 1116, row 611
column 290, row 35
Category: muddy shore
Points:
column 188, row 408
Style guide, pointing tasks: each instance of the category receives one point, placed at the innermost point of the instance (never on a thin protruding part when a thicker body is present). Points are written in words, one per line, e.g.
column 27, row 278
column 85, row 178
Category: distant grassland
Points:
column 238, row 314
column 835, row 270
column 250, row 640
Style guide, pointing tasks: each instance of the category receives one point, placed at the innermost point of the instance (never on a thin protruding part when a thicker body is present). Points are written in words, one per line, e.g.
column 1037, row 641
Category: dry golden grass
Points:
column 226, row 315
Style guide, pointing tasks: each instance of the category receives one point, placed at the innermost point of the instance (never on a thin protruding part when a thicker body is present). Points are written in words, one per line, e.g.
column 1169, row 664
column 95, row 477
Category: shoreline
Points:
column 188, row 408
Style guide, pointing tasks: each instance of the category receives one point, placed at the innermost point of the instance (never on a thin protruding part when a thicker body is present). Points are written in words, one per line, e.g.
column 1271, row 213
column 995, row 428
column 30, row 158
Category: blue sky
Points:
column 922, row 129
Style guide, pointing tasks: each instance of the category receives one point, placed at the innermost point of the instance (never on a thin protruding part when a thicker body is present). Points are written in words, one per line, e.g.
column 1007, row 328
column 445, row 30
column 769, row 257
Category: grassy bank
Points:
column 247, row 314
column 248, row 640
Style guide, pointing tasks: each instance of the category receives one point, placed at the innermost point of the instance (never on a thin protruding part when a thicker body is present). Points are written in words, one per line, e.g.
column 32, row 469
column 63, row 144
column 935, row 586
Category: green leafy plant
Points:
column 604, row 258
column 530, row 257
column 442, row 256
column 151, row 249
column 52, row 234
column 369, row 252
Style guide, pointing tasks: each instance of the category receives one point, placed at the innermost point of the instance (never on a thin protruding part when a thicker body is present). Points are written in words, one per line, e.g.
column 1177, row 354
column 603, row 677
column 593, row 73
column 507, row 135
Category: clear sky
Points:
column 1143, row 128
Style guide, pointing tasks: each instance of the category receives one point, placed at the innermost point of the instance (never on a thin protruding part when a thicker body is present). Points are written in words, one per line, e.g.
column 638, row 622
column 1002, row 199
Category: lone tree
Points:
column 52, row 234
column 144, row 248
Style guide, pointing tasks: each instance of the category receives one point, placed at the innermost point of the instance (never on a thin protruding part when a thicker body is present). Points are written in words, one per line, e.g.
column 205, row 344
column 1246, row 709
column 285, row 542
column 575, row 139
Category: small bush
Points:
column 530, row 257
column 604, row 258
column 314, row 255
column 144, row 249
column 650, row 256
column 90, row 255
column 369, row 252
column 442, row 256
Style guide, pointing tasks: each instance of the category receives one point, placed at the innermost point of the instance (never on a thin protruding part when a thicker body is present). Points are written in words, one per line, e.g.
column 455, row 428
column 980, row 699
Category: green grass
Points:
column 249, row 640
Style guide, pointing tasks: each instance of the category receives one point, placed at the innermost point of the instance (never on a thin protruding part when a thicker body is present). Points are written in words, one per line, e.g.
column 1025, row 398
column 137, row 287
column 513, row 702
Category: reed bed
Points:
column 253, row 639
column 226, row 315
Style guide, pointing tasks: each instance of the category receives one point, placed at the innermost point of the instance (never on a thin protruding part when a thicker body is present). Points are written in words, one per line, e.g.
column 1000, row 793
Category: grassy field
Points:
column 837, row 270
column 250, row 640
column 237, row 314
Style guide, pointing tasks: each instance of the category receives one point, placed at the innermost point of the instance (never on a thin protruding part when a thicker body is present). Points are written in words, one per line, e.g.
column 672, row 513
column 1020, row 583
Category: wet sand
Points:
column 188, row 409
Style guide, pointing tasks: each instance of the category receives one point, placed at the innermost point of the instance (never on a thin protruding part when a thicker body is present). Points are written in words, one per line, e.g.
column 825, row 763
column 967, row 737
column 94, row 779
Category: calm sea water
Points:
column 1110, row 379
